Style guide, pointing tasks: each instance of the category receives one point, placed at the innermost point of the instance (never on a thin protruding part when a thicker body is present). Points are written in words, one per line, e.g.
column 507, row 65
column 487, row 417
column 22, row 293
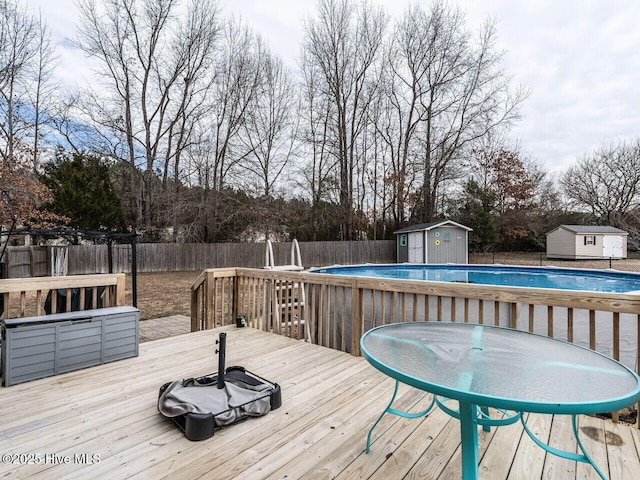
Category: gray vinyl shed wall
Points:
column 439, row 242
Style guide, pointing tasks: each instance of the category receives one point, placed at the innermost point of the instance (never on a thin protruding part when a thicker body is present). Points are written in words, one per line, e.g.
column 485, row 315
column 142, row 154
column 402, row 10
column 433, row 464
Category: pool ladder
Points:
column 285, row 301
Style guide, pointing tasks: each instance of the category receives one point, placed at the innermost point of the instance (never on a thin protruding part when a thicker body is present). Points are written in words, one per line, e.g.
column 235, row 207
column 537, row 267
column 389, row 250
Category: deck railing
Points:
column 335, row 310
column 23, row 297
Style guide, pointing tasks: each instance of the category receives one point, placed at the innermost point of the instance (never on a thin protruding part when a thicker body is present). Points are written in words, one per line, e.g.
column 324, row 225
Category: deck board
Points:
column 596, row 448
column 330, row 399
column 529, row 459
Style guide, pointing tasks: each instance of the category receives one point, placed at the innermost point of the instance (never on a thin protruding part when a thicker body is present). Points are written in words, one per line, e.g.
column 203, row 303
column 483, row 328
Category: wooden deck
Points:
column 102, row 422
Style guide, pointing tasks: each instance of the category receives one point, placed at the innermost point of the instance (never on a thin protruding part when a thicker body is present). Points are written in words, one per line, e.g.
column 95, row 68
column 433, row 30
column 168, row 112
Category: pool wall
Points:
column 557, row 278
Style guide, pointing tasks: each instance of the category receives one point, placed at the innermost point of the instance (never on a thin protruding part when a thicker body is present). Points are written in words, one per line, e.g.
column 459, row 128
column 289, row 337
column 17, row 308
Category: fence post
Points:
column 32, row 262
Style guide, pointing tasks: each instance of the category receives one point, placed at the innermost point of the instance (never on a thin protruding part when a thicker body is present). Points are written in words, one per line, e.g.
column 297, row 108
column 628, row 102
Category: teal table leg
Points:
column 583, row 457
column 400, row 413
column 485, row 412
column 393, row 397
column 469, row 436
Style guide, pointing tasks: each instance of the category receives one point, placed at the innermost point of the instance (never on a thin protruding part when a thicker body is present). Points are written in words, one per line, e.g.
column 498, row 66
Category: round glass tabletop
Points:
column 501, row 367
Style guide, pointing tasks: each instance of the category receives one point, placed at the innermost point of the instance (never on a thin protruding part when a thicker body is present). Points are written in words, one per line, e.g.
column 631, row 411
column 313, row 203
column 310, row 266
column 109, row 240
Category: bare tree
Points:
column 344, row 43
column 26, row 60
column 270, row 130
column 446, row 92
column 403, row 86
column 42, row 89
column 316, row 175
column 154, row 72
column 382, row 169
column 606, row 182
column 215, row 163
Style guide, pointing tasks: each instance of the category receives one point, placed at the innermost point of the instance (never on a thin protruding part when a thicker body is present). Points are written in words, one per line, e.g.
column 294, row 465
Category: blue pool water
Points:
column 536, row 277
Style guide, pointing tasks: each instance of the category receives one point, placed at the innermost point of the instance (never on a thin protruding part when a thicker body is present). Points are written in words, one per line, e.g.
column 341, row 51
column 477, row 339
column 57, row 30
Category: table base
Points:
column 470, row 417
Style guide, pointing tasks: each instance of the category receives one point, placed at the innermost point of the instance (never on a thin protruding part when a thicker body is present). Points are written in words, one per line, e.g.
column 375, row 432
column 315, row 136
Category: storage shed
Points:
column 582, row 242
column 436, row 242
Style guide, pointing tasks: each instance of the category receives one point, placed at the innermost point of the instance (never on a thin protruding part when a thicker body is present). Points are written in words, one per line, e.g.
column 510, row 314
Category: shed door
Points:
column 416, row 247
column 612, row 246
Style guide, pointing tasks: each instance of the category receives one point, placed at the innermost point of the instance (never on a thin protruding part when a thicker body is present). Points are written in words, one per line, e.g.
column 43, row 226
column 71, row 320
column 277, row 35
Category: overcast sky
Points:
column 579, row 57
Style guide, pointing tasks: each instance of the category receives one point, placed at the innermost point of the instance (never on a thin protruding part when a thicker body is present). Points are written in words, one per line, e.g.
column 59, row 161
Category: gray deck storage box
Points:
column 37, row 347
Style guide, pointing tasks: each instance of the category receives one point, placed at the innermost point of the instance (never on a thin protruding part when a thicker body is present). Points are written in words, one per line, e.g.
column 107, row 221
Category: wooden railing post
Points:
column 120, row 291
column 235, row 293
column 357, row 316
column 209, row 300
column 197, row 303
column 196, row 317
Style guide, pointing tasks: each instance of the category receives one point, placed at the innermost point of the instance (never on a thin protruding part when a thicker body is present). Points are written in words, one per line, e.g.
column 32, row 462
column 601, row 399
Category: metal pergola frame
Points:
column 109, row 237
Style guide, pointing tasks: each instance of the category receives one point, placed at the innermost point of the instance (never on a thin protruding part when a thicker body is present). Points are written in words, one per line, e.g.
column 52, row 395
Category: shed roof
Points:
column 590, row 229
column 431, row 225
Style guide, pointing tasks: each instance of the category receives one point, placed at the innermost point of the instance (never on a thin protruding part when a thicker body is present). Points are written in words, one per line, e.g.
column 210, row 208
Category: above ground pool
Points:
column 515, row 276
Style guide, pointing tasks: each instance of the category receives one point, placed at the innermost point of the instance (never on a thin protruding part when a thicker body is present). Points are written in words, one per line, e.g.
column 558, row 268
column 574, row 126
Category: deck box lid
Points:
column 67, row 316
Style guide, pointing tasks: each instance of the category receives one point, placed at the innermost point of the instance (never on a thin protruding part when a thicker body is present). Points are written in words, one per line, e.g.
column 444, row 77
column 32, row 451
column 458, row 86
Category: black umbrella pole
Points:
column 221, row 359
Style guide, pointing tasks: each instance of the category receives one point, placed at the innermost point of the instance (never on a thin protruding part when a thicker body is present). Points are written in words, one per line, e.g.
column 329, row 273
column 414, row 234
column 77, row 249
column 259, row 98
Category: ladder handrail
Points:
column 296, row 259
column 269, row 261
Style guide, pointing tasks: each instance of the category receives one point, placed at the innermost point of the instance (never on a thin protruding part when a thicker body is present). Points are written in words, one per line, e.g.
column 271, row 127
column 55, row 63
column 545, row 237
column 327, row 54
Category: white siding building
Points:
column 584, row 242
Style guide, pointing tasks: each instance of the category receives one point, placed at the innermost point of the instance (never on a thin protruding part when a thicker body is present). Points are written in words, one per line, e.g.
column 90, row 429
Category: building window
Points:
column 447, row 236
column 403, row 240
column 589, row 239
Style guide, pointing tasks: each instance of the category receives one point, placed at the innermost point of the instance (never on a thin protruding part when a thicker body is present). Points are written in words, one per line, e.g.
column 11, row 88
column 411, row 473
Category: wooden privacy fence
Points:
column 28, row 261
column 169, row 257
column 335, row 310
column 27, row 297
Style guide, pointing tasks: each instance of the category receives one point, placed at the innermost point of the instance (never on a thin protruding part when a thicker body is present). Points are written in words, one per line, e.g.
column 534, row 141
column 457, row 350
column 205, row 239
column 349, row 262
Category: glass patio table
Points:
column 481, row 367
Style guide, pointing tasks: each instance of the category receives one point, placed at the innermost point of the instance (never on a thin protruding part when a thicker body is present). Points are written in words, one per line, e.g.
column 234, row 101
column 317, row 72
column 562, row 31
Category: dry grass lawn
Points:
column 162, row 294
